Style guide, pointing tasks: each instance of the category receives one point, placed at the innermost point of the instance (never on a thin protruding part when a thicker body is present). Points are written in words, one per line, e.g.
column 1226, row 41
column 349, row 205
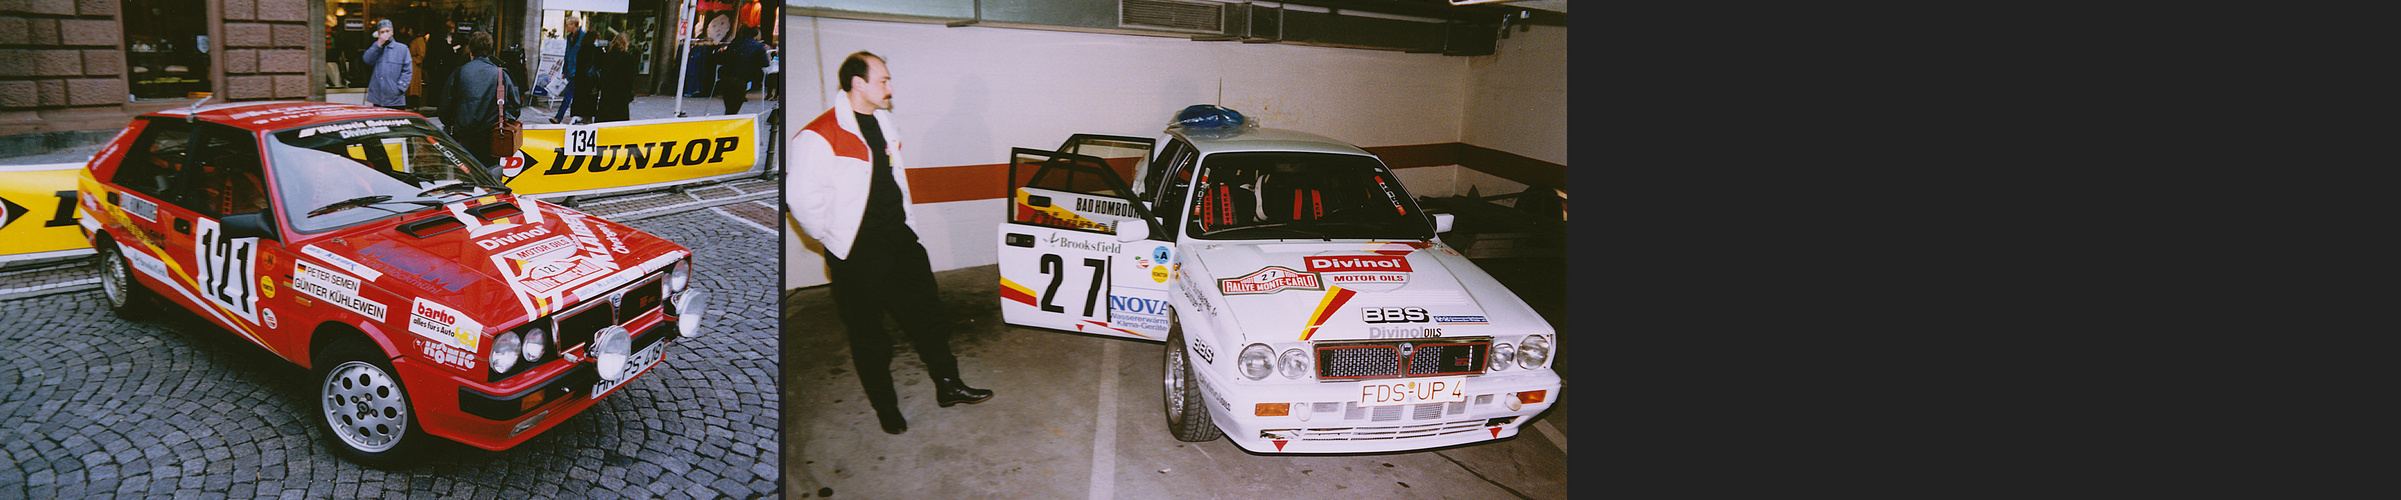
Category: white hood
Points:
column 1295, row 291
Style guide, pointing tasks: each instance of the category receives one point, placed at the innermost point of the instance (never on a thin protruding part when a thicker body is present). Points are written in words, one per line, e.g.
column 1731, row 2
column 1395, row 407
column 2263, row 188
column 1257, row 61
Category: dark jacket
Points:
column 468, row 108
column 617, row 82
column 740, row 63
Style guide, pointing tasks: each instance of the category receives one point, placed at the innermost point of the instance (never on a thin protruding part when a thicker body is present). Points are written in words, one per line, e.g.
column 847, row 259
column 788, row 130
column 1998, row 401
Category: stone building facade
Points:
column 65, row 79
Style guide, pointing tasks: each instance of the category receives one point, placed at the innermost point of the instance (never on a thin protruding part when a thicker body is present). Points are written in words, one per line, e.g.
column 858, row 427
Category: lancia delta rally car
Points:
column 364, row 244
column 1306, row 303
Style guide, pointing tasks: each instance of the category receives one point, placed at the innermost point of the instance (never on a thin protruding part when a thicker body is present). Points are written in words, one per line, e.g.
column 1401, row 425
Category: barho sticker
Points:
column 440, row 323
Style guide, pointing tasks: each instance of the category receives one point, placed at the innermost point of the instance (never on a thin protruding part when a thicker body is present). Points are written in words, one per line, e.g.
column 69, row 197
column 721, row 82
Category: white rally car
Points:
column 1306, row 303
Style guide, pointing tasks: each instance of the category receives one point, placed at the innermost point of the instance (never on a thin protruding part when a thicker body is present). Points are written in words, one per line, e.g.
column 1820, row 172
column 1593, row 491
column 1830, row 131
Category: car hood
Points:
column 1316, row 291
column 496, row 260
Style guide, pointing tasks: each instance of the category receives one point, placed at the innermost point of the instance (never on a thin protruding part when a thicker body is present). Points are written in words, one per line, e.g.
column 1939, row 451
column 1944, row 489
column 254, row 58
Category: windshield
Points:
column 350, row 172
column 1301, row 195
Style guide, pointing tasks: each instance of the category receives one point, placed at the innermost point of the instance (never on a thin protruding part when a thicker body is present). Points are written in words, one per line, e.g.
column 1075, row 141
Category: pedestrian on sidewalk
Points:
column 739, row 63
column 846, row 190
column 389, row 68
column 471, row 107
column 575, row 102
column 616, row 77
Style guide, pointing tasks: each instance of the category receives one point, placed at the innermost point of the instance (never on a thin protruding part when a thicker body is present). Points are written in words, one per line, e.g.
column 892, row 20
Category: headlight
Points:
column 535, row 343
column 1254, row 361
column 1293, row 364
column 504, row 351
column 1502, row 356
column 1533, row 351
column 679, row 277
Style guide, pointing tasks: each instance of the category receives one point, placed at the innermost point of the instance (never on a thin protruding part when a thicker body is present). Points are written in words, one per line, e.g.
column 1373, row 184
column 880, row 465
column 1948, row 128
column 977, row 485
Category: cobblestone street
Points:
column 94, row 406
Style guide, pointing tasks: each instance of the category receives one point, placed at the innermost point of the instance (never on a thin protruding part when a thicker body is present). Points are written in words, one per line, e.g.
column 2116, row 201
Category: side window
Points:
column 230, row 179
column 1176, row 180
column 155, row 160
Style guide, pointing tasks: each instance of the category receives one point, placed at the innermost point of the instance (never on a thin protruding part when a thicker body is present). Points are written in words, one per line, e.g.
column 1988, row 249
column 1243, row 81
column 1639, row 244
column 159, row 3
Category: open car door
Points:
column 1076, row 252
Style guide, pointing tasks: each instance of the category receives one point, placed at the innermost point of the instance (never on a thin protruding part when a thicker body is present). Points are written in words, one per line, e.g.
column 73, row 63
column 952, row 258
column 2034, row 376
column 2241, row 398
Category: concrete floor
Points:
column 1078, row 417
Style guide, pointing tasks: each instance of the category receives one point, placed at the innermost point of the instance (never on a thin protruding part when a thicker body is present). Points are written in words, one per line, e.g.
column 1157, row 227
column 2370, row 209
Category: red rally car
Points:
column 364, row 244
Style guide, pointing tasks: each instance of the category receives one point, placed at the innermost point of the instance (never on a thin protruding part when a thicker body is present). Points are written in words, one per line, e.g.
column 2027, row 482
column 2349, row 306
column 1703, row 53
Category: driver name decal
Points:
column 334, row 288
column 1271, row 279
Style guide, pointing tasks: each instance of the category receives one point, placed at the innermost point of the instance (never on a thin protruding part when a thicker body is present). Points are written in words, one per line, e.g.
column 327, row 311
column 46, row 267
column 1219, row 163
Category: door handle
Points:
column 183, row 225
column 1021, row 240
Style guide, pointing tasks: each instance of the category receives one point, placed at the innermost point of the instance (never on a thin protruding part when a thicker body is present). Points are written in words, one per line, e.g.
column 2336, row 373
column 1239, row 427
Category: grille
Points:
column 1384, row 359
column 576, row 326
column 1402, row 431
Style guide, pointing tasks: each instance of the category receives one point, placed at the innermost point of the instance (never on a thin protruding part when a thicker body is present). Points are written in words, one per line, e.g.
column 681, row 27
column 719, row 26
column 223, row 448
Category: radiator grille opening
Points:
column 1206, row 17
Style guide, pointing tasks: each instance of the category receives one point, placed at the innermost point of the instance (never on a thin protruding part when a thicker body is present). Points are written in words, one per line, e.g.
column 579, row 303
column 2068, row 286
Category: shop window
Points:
column 167, row 48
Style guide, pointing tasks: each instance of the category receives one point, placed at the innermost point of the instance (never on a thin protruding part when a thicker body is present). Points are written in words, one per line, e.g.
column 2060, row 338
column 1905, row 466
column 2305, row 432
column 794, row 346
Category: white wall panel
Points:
column 964, row 96
column 1517, row 97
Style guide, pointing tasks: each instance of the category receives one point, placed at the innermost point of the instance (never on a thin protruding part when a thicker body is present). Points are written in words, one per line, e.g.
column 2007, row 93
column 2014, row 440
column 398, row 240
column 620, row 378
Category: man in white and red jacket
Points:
column 845, row 189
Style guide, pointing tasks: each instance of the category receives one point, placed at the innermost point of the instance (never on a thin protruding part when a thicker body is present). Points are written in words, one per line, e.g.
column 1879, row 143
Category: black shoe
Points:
column 893, row 424
column 950, row 391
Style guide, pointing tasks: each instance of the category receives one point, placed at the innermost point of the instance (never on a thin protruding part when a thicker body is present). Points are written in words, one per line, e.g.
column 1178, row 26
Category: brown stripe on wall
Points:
column 984, row 182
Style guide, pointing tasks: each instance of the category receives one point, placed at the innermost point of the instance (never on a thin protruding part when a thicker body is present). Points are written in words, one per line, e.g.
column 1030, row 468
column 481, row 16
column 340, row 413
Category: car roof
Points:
column 1209, row 141
column 269, row 116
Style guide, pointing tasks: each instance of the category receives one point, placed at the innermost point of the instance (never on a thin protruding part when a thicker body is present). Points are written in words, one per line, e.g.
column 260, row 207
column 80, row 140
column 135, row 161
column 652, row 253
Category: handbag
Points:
column 506, row 131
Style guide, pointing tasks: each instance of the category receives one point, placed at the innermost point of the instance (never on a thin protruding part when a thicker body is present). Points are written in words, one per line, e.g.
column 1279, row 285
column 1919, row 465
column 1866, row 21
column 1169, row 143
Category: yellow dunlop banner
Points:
column 38, row 210
column 632, row 154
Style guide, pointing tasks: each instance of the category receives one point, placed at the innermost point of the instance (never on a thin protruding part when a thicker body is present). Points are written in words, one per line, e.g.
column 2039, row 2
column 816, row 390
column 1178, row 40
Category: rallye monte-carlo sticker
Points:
column 1271, row 279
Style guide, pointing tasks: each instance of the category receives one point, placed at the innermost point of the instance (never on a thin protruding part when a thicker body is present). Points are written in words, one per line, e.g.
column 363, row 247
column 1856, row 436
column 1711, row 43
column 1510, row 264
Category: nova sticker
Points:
column 443, row 324
column 334, row 288
column 1271, row 279
column 1137, row 313
column 1366, row 273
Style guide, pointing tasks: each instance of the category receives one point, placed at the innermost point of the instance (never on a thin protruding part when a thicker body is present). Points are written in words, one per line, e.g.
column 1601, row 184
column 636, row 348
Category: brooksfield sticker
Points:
column 1269, row 280
column 1366, row 273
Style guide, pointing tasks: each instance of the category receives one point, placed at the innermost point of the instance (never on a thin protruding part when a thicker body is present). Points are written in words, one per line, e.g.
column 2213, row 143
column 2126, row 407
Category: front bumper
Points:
column 1325, row 417
column 499, row 417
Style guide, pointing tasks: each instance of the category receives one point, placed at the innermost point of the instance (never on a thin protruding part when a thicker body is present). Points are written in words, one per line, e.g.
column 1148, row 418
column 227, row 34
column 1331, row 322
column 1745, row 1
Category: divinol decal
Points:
column 635, row 154
column 1366, row 273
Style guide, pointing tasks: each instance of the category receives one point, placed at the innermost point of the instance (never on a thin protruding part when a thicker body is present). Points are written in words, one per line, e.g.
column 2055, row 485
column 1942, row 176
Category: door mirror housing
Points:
column 250, row 225
column 1133, row 230
column 1442, row 223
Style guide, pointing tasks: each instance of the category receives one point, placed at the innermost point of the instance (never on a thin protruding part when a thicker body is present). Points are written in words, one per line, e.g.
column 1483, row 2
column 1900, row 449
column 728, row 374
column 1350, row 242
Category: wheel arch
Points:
column 326, row 334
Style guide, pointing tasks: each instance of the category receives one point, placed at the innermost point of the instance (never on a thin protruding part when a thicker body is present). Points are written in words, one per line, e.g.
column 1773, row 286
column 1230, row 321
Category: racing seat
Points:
column 1225, row 206
column 1282, row 196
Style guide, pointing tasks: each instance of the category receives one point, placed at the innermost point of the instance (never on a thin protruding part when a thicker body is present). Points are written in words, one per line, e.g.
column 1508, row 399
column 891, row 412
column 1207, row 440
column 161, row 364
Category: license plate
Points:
column 1413, row 391
column 633, row 366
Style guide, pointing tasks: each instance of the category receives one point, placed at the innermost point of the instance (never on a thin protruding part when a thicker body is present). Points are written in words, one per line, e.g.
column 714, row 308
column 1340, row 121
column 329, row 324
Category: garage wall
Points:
column 963, row 96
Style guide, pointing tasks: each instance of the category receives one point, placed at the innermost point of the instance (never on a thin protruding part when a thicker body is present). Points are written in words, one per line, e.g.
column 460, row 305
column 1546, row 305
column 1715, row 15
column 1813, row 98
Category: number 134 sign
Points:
column 583, row 140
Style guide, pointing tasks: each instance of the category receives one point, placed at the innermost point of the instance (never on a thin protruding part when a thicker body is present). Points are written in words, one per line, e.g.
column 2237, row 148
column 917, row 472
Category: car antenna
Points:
column 195, row 107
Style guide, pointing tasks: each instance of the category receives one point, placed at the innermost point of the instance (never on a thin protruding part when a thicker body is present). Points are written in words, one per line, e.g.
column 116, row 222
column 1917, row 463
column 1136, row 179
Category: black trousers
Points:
column 888, row 273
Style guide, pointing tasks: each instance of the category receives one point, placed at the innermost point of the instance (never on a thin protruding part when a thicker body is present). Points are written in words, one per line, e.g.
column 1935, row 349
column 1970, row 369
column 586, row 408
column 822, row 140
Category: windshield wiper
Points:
column 463, row 185
column 365, row 201
column 1280, row 226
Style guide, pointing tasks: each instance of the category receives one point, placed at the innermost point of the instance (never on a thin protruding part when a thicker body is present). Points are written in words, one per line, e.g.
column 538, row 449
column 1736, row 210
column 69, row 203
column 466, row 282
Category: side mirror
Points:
column 1133, row 230
column 1442, row 223
column 249, row 225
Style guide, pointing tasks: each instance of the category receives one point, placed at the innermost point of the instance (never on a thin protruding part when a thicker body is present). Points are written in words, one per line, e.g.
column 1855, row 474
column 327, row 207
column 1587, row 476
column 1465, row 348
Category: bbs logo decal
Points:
column 1393, row 315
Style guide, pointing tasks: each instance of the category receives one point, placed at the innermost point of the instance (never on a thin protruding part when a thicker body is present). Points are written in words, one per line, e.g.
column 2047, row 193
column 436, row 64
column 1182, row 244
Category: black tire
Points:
column 1187, row 414
column 126, row 296
column 362, row 407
